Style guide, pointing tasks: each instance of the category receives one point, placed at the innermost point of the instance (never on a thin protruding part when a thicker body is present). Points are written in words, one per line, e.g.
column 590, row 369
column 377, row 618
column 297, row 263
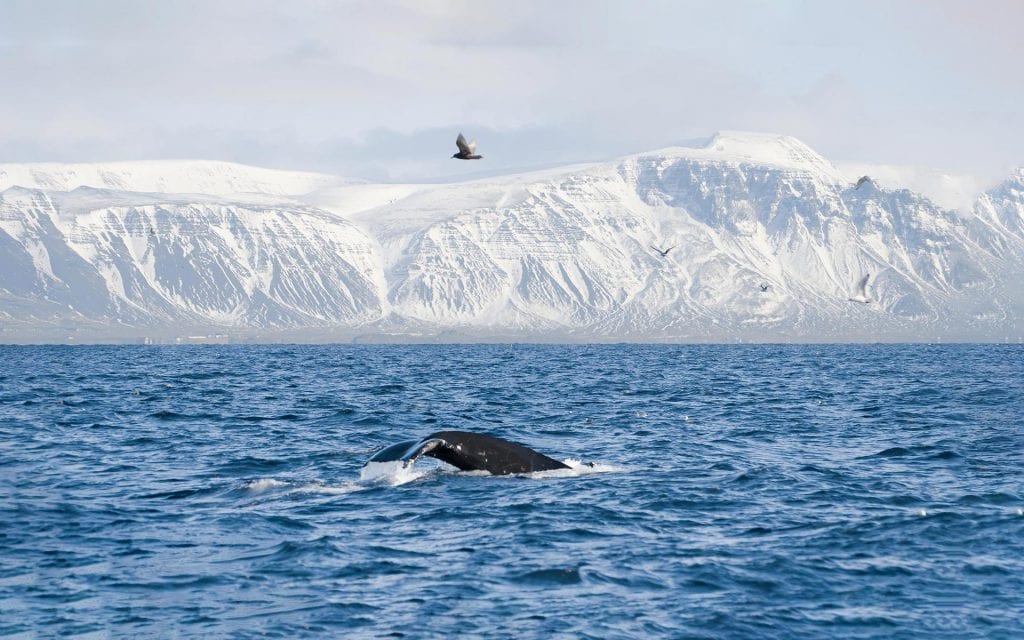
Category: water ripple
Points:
column 743, row 491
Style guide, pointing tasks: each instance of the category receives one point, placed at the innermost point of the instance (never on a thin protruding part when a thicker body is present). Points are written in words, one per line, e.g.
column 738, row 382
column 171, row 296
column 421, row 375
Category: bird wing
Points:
column 862, row 285
column 464, row 147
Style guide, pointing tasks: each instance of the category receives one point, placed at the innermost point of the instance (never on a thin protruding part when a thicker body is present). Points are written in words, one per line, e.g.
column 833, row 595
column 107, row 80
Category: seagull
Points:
column 862, row 291
column 467, row 150
column 664, row 253
column 862, row 180
column 764, row 287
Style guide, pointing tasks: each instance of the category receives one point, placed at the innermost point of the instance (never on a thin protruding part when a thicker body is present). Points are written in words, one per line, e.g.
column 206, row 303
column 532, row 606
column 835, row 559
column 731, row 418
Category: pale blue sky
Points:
column 379, row 89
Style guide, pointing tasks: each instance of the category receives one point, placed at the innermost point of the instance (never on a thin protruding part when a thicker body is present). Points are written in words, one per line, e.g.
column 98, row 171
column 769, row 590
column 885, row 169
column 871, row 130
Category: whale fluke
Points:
column 470, row 452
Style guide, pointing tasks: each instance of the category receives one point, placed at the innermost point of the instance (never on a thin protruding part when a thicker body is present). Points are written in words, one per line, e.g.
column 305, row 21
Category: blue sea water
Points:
column 739, row 492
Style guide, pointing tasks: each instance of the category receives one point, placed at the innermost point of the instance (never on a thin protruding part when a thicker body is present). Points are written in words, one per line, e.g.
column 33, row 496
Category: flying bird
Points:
column 665, row 252
column 764, row 287
column 862, row 291
column 862, row 180
column 467, row 150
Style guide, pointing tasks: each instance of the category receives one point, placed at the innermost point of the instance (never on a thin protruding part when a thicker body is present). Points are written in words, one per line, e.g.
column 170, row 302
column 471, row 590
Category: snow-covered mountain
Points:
column 767, row 240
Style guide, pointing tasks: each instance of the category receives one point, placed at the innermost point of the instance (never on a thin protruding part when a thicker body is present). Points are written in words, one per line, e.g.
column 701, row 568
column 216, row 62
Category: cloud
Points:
column 379, row 88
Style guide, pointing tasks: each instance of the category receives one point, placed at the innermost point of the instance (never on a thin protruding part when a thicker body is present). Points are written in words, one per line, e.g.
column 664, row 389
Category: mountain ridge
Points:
column 211, row 177
column 563, row 252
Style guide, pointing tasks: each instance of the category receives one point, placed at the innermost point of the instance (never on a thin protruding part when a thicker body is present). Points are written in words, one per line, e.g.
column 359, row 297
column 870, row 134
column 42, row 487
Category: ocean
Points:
column 740, row 491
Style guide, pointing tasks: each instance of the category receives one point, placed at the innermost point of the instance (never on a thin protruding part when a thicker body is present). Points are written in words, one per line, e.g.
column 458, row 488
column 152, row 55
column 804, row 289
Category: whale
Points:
column 469, row 452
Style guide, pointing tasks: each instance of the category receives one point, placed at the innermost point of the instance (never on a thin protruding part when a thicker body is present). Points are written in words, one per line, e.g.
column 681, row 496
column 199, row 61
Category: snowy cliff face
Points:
column 561, row 254
column 1003, row 206
column 150, row 262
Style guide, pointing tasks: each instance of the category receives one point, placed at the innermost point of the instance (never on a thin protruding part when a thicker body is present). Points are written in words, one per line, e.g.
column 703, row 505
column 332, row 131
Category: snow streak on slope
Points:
column 767, row 238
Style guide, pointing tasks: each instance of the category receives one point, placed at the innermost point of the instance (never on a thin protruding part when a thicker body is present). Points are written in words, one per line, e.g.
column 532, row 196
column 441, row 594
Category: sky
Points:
column 379, row 89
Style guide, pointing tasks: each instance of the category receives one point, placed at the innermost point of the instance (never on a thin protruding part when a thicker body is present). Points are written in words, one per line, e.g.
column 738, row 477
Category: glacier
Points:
column 165, row 249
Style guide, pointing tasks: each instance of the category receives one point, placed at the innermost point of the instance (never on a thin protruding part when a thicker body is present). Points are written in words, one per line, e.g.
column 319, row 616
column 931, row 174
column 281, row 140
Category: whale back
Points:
column 471, row 452
column 477, row 451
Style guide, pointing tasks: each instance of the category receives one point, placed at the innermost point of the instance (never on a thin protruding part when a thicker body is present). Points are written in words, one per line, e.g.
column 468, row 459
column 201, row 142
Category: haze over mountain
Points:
column 119, row 251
